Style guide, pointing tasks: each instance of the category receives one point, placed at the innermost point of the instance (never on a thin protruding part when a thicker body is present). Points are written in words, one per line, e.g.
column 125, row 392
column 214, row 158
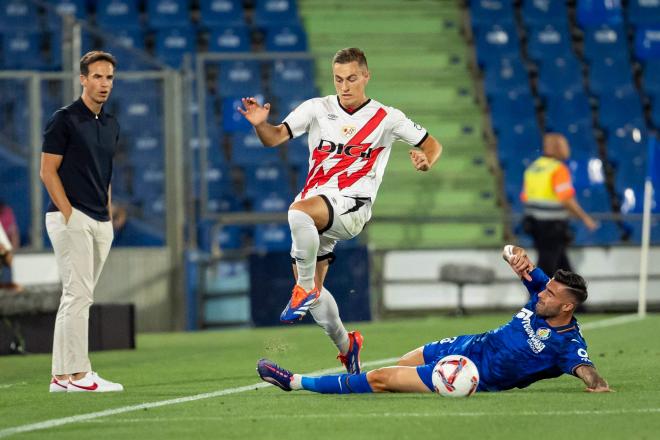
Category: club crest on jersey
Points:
column 543, row 333
column 348, row 130
column 360, row 150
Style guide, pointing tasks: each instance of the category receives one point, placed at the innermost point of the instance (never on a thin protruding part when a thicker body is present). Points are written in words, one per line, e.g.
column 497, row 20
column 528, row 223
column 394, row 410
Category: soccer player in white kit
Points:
column 350, row 140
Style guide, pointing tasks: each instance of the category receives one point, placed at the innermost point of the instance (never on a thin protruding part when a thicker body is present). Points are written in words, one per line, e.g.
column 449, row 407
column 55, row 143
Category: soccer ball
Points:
column 455, row 376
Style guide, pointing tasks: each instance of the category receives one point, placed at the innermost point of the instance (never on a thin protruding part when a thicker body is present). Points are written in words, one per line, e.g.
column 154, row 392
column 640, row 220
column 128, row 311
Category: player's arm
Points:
column 269, row 135
column 594, row 382
column 517, row 258
column 50, row 163
column 428, row 154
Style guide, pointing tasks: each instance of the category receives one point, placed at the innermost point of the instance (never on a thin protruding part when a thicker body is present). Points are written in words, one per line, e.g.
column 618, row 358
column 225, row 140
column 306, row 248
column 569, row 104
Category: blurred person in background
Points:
column 8, row 222
column 9, row 242
column 549, row 199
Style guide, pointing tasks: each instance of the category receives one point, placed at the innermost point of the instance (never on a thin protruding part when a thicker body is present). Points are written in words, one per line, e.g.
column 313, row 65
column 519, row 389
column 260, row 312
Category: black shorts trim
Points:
column 331, row 257
column 286, row 124
column 418, row 144
column 331, row 214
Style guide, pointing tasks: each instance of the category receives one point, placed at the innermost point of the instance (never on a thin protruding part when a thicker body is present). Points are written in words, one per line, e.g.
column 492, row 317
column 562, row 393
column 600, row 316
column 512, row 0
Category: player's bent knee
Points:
column 412, row 358
column 378, row 380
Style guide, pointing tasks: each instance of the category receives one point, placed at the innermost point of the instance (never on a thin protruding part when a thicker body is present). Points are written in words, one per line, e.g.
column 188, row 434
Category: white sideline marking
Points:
column 125, row 409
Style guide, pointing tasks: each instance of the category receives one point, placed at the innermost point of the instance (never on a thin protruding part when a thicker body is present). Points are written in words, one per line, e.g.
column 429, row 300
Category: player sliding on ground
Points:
column 542, row 341
column 350, row 140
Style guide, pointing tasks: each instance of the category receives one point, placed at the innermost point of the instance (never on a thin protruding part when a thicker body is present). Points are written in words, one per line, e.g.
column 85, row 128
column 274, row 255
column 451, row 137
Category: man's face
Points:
column 554, row 300
column 98, row 82
column 350, row 82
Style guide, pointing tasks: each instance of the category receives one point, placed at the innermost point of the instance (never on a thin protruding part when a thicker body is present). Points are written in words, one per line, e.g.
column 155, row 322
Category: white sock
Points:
column 305, row 246
column 326, row 314
column 296, row 382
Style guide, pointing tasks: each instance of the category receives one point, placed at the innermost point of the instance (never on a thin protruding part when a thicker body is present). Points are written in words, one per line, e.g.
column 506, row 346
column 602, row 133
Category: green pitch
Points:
column 171, row 366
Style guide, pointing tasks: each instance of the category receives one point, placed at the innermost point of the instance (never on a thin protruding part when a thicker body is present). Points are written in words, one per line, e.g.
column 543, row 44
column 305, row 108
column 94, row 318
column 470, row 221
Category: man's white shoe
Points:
column 92, row 382
column 59, row 386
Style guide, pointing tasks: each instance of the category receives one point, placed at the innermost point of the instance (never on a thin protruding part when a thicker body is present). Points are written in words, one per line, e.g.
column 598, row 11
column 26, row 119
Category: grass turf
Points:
column 167, row 366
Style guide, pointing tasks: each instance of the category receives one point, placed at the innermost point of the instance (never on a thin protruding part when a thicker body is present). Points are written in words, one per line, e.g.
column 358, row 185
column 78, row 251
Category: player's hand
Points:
column 419, row 160
column 520, row 263
column 590, row 224
column 605, row 388
column 253, row 112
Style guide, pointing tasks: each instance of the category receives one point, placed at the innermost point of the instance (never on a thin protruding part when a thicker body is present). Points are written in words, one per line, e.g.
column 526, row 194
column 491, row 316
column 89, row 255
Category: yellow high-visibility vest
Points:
column 540, row 195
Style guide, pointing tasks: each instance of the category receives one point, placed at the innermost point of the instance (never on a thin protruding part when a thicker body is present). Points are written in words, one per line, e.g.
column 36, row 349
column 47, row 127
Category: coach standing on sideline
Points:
column 76, row 167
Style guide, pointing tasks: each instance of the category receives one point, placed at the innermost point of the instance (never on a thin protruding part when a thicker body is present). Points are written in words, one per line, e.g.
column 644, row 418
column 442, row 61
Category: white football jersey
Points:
column 349, row 150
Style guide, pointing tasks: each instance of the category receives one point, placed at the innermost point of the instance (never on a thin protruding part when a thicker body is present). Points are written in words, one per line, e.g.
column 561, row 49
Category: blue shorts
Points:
column 435, row 351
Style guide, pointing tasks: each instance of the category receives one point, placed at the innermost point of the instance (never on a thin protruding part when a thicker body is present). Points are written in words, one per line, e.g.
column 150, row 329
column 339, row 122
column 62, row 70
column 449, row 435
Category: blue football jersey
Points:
column 519, row 353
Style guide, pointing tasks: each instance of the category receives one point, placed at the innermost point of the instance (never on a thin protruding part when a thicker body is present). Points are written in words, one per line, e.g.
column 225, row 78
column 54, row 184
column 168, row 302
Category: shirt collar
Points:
column 83, row 108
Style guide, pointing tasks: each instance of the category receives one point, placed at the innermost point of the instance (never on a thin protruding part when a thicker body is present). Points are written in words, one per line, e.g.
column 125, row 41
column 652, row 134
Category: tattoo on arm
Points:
column 590, row 377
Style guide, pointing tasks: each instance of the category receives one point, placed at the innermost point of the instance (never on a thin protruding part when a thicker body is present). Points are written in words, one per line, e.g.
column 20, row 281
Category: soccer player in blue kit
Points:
column 541, row 341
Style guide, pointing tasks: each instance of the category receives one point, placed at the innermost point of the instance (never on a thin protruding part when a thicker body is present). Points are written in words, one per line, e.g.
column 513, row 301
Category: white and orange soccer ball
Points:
column 455, row 376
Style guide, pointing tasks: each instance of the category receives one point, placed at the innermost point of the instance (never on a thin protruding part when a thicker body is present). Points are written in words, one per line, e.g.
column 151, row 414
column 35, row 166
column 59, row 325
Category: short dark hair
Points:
column 94, row 56
column 575, row 284
column 350, row 54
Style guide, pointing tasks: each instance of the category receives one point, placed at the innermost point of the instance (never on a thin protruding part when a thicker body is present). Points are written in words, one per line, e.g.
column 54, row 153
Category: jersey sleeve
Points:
column 574, row 355
column 404, row 129
column 538, row 282
column 300, row 119
column 562, row 183
column 56, row 135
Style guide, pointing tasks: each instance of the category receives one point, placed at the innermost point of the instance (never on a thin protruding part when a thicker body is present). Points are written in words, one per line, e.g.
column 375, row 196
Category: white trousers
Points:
column 81, row 248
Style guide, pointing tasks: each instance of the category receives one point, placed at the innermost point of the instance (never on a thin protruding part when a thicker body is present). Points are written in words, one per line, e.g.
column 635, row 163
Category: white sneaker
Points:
column 59, row 386
column 94, row 383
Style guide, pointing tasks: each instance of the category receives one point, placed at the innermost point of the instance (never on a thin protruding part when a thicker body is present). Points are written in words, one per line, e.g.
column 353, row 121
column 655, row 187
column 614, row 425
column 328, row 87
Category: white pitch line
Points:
column 47, row 424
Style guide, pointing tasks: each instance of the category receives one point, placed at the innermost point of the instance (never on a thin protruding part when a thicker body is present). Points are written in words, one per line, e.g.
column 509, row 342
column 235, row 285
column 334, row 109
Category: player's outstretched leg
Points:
column 272, row 373
column 351, row 359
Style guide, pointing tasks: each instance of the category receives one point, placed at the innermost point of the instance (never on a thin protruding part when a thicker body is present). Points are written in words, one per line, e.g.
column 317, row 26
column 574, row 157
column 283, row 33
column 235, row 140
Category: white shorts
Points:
column 348, row 215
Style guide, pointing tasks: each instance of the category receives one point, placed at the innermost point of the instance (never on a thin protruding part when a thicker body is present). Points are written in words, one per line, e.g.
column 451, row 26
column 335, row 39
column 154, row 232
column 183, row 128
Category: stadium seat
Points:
column 609, row 75
column 630, row 174
column 643, row 12
column 272, row 237
column 124, row 46
column 262, row 178
column 141, row 112
column 229, row 39
column 606, row 41
column 565, row 109
column 542, row 12
column 651, row 78
column 521, row 140
column 560, row 75
column 549, row 42
column 168, row 13
column 508, row 74
column 634, row 227
column 647, row 43
column 607, row 234
column 632, row 200
column 247, row 149
column 297, row 152
column 227, row 238
column 626, row 145
column 487, row 12
column 240, row 78
column 494, row 42
column 288, row 38
column 508, row 109
column 588, row 174
column 617, row 110
column 285, row 104
column 173, row 43
column 75, row 8
column 117, row 14
column 597, row 12
column 272, row 202
column 18, row 15
column 147, row 148
column 232, row 120
column 275, row 12
column 292, row 75
column 221, row 13
column 149, row 182
column 218, row 177
column 22, row 50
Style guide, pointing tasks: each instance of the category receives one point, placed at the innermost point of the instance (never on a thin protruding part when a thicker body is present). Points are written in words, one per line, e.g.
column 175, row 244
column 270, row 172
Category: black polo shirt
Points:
column 88, row 143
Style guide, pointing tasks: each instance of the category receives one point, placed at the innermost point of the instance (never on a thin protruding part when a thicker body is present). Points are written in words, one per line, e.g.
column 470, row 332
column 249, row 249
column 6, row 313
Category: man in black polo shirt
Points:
column 76, row 167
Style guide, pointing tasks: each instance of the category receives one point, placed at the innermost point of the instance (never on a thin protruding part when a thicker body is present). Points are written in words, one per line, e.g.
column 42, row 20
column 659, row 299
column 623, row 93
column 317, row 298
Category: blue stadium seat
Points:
column 223, row 203
column 272, row 202
column 626, row 145
column 229, row 39
column 262, row 178
column 607, row 234
column 565, row 109
column 506, row 74
column 173, row 43
column 523, row 139
column 147, row 148
column 297, row 152
column 647, row 43
column 227, row 238
column 494, row 42
column 606, row 41
column 487, row 12
column 597, row 12
column 137, row 112
column 285, row 104
column 148, row 182
column 122, row 14
column 632, row 200
column 549, row 42
column 513, row 184
column 240, row 78
column 14, row 185
column 508, row 109
column 630, row 174
column 655, row 111
column 617, row 110
column 168, row 13
column 609, row 76
column 75, row 8
column 588, row 174
column 581, row 139
column 288, row 38
column 651, row 78
column 560, row 75
column 643, row 12
column 137, row 233
column 275, row 12
column 635, row 229
column 232, row 120
column 247, row 149
column 292, row 75
column 221, row 13
column 218, row 179
column 272, row 237
column 18, row 15
column 542, row 12
column 22, row 50
column 123, row 45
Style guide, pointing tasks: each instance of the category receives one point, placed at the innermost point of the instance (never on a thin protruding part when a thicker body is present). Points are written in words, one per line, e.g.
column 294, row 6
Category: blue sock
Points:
column 337, row 384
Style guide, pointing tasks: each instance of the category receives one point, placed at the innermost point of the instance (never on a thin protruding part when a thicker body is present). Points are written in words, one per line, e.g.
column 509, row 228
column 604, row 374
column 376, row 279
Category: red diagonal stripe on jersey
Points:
column 345, row 180
column 321, row 177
